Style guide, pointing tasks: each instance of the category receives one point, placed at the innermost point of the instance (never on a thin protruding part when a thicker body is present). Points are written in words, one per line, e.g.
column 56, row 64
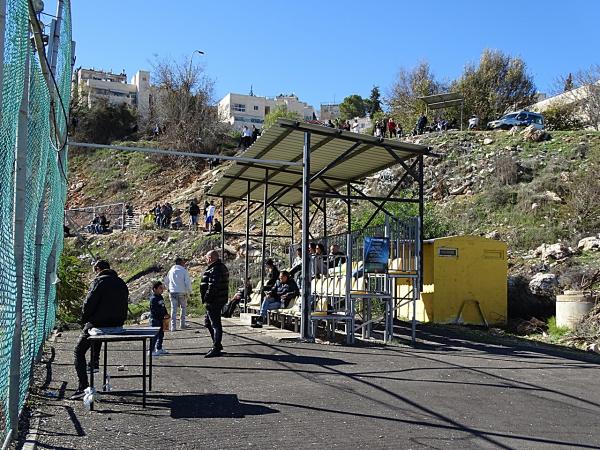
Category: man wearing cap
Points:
column 214, row 290
column 105, row 306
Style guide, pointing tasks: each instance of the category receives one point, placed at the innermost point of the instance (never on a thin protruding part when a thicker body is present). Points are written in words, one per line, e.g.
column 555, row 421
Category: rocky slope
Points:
column 499, row 184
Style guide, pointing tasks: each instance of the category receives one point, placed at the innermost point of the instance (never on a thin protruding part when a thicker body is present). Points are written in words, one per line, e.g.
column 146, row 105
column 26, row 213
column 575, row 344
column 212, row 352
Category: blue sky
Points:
column 326, row 50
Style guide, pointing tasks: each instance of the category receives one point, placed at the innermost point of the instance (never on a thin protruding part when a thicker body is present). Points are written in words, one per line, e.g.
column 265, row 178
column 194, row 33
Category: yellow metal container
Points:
column 464, row 281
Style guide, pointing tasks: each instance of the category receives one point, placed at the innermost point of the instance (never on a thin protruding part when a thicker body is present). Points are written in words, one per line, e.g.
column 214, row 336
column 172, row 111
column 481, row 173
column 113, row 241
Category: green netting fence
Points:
column 33, row 119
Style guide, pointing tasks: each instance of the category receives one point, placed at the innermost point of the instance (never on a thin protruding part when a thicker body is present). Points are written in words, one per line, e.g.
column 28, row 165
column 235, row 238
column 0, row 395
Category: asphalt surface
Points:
column 447, row 393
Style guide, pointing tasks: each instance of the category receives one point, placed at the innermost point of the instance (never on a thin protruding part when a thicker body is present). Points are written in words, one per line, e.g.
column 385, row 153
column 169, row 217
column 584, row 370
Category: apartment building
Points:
column 97, row 84
column 240, row 109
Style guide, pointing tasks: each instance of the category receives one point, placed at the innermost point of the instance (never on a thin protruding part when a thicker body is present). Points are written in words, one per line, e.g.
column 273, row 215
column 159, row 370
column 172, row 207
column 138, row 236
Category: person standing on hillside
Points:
column 214, row 290
column 194, row 211
column 391, row 127
column 105, row 306
column 210, row 214
column 179, row 284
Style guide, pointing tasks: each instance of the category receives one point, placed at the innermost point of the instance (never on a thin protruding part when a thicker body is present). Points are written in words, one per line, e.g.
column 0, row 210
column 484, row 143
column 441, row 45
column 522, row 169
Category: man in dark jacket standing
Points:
column 214, row 290
column 104, row 306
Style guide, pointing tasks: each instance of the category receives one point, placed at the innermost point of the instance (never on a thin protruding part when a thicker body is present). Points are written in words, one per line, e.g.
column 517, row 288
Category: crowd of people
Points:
column 98, row 225
column 248, row 137
column 106, row 307
column 210, row 223
column 165, row 216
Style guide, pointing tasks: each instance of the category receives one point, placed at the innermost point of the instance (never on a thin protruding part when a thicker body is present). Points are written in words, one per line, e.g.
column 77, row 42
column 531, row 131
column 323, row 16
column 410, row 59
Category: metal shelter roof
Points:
column 337, row 157
column 438, row 101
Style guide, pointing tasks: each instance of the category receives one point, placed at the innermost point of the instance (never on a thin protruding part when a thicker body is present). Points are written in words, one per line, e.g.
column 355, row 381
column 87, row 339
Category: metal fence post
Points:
column 19, row 246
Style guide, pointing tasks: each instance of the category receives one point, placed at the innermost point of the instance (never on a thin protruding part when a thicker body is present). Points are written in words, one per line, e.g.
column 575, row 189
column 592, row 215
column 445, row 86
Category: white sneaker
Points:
column 156, row 353
column 162, row 351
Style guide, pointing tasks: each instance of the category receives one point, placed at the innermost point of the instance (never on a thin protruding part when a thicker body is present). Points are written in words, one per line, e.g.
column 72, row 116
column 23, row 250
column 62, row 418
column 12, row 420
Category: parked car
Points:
column 519, row 119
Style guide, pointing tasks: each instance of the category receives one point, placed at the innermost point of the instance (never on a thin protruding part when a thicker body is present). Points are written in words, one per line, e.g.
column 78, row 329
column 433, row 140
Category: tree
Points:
column 568, row 84
column 585, row 95
column 373, row 103
column 183, row 107
column 498, row 84
column 280, row 111
column 406, row 90
column 353, row 106
column 103, row 122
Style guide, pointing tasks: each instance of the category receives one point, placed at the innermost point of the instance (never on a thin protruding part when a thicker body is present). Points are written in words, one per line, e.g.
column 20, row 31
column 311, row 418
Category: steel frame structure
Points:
column 412, row 166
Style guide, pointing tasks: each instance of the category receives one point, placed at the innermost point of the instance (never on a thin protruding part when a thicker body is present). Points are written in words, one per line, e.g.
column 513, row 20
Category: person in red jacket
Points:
column 392, row 127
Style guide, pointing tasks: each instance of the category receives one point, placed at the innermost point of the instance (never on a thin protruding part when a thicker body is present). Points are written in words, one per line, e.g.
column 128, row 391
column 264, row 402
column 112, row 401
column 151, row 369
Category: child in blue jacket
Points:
column 158, row 312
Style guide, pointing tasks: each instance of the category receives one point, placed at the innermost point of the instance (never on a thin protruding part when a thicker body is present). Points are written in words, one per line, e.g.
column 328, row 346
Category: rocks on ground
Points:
column 591, row 243
column 543, row 284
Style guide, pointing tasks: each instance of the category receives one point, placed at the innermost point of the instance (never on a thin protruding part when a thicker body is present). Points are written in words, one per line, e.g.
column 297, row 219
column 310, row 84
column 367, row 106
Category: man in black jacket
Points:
column 104, row 306
column 214, row 290
column 272, row 274
column 280, row 295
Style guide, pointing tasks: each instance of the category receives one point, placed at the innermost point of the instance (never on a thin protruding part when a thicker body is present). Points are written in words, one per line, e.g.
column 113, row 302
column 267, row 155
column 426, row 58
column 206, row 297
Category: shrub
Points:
column 562, row 117
column 583, row 200
column 71, row 289
column 498, row 197
column 507, row 170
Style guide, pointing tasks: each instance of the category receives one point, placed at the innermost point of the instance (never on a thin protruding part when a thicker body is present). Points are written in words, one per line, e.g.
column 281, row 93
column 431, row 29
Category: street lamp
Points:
column 200, row 52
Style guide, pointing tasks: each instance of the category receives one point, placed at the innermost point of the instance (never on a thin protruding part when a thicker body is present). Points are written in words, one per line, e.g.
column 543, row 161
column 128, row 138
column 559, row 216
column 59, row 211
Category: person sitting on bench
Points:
column 243, row 293
column 272, row 275
column 280, row 296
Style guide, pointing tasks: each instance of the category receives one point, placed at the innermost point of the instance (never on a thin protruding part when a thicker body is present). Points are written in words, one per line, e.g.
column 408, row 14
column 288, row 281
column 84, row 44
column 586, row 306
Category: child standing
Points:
column 158, row 312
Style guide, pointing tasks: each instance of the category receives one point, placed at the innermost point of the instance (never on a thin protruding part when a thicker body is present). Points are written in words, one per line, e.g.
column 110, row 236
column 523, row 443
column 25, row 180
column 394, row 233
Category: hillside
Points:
column 496, row 184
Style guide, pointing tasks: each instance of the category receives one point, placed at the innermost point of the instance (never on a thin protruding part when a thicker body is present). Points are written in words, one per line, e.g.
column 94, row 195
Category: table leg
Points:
column 150, row 367
column 105, row 357
column 144, row 373
column 92, row 372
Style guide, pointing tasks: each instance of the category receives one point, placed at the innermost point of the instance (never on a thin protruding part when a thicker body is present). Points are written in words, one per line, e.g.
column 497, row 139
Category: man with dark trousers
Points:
column 104, row 306
column 214, row 290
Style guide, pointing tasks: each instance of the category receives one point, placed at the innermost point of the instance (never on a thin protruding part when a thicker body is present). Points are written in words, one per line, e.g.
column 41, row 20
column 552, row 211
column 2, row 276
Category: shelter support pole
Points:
column 462, row 107
column 418, row 283
column 349, row 300
column 388, row 332
column 264, row 235
column 305, row 328
column 349, row 207
column 19, row 248
column 222, row 228
column 325, row 224
column 292, row 250
column 246, row 256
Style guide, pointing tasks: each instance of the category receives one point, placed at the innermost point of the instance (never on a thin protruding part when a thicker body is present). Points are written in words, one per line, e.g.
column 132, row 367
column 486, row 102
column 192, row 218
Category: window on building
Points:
column 255, row 107
column 239, row 107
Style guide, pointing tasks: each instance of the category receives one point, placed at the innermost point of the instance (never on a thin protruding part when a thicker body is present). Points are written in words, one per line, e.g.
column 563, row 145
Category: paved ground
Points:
column 447, row 393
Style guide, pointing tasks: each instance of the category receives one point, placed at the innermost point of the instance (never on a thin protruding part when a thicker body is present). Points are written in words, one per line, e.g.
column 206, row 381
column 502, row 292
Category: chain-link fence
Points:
column 35, row 89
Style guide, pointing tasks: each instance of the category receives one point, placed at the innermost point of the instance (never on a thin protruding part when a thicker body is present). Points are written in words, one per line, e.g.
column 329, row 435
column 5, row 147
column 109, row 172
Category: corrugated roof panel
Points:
column 285, row 141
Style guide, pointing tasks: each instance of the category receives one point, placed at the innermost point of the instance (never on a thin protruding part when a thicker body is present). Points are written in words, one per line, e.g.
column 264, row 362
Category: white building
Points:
column 329, row 111
column 240, row 109
column 96, row 84
column 578, row 97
